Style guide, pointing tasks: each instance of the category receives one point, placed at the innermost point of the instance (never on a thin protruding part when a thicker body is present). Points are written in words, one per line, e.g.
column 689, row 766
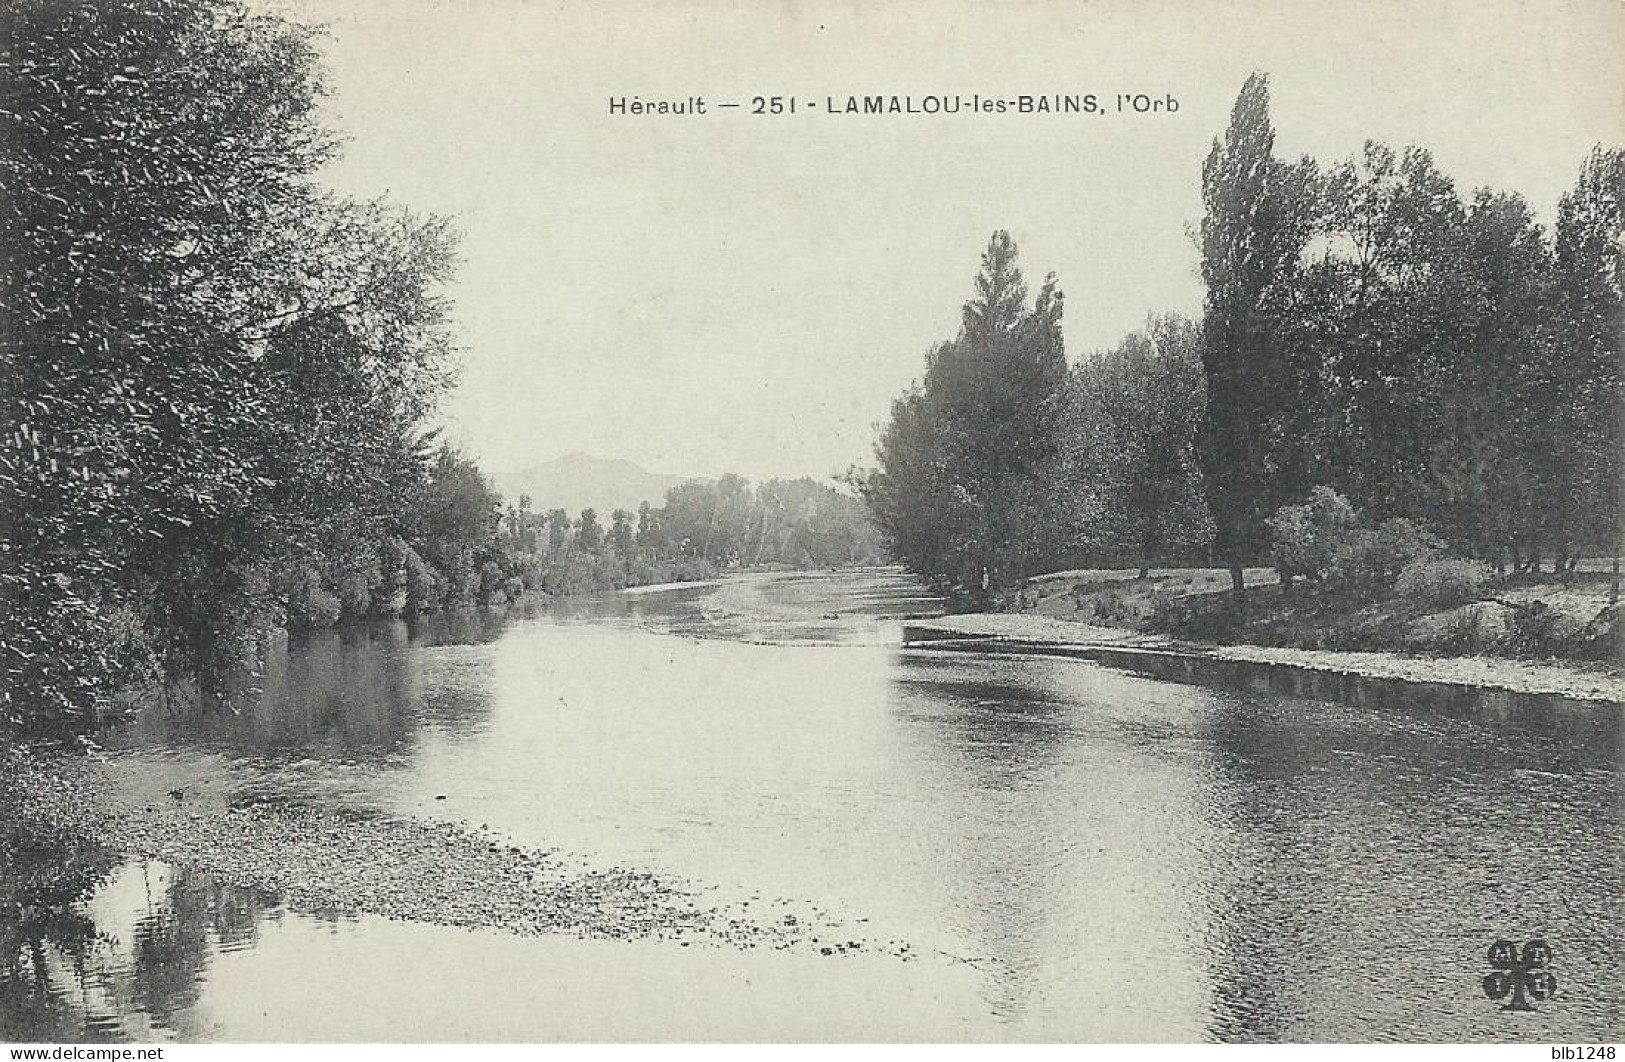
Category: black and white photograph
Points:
column 811, row 522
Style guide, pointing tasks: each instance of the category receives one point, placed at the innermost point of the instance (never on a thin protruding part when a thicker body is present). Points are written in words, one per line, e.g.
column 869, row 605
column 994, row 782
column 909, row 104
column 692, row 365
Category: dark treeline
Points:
column 1431, row 358
column 215, row 377
column 461, row 545
column 1002, row 463
column 701, row 529
column 213, row 372
column 961, row 490
column 1442, row 366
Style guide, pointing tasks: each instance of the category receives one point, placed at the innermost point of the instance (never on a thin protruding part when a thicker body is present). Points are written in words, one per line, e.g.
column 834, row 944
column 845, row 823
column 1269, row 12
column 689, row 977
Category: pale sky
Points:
column 741, row 293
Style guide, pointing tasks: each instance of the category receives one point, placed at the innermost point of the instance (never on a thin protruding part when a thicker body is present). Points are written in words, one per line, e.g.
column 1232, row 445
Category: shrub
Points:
column 1465, row 632
column 1400, row 542
column 1306, row 538
column 1441, row 581
column 422, row 585
column 1601, row 638
column 493, row 581
column 1532, row 629
column 1372, row 560
column 311, row 605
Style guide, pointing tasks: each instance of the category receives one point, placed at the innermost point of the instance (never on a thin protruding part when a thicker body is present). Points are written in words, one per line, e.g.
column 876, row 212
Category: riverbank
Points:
column 404, row 869
column 661, row 588
column 533, row 824
column 1038, row 631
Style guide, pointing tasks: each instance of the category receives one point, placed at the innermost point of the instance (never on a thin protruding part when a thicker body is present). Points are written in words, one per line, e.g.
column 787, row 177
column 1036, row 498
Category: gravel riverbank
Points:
column 1517, row 676
column 407, row 869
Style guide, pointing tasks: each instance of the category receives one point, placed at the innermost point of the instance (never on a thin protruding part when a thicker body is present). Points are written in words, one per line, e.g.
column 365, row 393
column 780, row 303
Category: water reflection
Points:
column 1363, row 870
column 1336, row 870
column 1077, row 852
column 1064, row 841
column 1583, row 732
column 1000, row 740
column 99, row 947
column 359, row 694
column 47, row 942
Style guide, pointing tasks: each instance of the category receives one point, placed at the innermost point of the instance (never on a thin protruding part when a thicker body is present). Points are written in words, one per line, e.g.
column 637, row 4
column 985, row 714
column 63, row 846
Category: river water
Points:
column 1072, row 852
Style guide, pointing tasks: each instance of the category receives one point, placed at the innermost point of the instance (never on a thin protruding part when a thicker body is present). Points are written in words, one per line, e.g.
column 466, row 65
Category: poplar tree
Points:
column 1259, row 216
column 1591, row 280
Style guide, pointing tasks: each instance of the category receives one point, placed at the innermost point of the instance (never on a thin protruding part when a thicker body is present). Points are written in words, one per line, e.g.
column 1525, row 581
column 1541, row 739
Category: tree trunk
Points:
column 1145, row 571
column 1238, row 585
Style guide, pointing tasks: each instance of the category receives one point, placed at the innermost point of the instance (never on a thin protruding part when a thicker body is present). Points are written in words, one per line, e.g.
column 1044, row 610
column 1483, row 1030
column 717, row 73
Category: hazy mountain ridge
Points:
column 578, row 480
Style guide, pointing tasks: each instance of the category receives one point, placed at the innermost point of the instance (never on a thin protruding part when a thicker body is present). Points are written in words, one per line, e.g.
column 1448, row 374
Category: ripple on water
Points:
column 1062, row 851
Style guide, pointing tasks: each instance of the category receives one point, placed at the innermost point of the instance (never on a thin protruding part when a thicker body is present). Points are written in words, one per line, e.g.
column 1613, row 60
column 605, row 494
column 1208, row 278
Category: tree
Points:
column 460, row 516
column 651, row 535
column 807, row 523
column 1259, row 217
column 1587, row 397
column 558, row 530
column 1128, row 474
column 620, row 533
column 689, row 518
column 958, row 489
column 589, row 534
column 523, row 526
column 1487, row 454
column 1395, row 325
column 908, row 493
column 995, row 384
column 177, row 297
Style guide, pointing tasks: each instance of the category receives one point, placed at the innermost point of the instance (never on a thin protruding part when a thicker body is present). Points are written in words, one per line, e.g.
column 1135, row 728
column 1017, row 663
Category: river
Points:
column 1070, row 852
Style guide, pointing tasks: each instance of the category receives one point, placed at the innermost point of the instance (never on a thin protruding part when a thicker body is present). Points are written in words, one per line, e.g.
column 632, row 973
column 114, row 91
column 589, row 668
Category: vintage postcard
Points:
column 817, row 521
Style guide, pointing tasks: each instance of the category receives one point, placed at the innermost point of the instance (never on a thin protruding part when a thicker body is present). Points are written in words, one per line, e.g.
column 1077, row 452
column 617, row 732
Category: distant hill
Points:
column 578, row 481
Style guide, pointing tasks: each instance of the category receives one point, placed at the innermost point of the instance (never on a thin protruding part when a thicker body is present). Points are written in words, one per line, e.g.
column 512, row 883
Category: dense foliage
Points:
column 1432, row 358
column 701, row 529
column 1440, row 364
column 212, row 371
column 1259, row 218
column 1127, row 478
column 1001, row 463
column 215, row 377
column 959, row 488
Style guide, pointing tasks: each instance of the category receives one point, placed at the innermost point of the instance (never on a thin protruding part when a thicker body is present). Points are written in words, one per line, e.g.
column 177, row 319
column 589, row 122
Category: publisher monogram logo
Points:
column 1523, row 975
